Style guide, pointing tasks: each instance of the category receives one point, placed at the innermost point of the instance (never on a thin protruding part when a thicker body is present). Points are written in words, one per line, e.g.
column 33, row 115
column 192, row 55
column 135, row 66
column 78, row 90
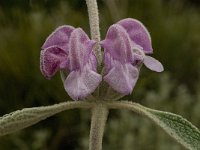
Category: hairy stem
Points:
column 126, row 105
column 98, row 121
column 94, row 26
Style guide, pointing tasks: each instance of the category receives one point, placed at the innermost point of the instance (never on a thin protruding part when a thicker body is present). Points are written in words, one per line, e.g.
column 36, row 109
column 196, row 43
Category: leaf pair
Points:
column 177, row 127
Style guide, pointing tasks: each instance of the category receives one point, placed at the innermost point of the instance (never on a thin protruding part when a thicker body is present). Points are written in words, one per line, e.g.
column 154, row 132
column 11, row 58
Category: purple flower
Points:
column 125, row 47
column 70, row 49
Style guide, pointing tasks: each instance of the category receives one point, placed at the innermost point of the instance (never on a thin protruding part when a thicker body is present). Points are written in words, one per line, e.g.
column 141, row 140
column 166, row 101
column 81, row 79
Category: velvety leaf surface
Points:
column 28, row 116
column 176, row 126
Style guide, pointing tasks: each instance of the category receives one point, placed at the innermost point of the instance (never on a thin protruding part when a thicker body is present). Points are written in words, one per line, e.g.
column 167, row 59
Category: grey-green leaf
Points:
column 28, row 116
column 176, row 126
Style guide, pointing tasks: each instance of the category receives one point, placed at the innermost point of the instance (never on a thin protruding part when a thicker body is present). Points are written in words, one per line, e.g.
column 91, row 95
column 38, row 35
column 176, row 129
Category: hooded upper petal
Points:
column 118, row 44
column 51, row 60
column 80, row 49
column 54, row 52
column 59, row 38
column 118, row 57
column 137, row 33
column 83, row 78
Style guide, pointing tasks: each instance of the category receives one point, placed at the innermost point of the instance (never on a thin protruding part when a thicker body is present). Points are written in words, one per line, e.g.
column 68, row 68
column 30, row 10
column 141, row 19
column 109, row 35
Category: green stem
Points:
column 98, row 121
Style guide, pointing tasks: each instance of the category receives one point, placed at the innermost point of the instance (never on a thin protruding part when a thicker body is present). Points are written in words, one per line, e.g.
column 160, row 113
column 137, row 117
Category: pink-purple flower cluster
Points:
column 71, row 50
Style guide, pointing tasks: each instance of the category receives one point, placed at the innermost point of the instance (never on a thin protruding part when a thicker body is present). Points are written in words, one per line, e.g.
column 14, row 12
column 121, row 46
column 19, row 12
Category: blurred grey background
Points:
column 175, row 29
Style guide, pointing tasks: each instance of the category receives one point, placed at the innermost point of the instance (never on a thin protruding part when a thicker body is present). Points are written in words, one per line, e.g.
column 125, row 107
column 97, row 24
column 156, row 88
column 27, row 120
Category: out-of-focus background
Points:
column 175, row 29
